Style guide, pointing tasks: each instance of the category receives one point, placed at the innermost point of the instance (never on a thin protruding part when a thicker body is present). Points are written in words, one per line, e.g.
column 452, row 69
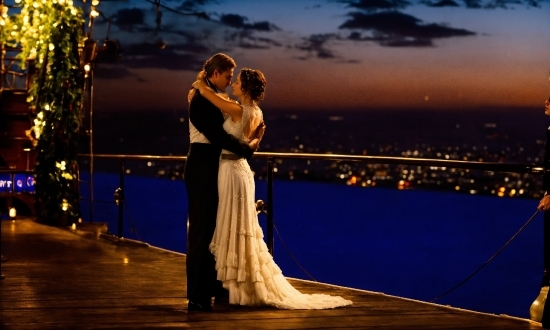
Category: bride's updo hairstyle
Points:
column 253, row 83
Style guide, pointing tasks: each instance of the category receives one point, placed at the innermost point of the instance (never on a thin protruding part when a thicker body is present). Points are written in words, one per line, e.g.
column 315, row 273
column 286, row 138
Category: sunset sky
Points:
column 332, row 54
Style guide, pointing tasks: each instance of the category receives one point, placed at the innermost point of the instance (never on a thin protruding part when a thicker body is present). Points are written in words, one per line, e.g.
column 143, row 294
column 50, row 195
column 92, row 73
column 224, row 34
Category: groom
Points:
column 207, row 139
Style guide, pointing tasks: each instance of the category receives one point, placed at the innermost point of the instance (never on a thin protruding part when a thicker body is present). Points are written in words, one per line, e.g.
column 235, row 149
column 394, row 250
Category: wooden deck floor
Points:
column 56, row 278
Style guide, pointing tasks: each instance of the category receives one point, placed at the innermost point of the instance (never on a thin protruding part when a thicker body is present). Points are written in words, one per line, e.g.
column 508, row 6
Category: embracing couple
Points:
column 227, row 257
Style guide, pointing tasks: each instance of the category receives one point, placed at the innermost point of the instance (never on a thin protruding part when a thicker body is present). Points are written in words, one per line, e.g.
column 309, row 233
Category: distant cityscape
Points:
column 493, row 135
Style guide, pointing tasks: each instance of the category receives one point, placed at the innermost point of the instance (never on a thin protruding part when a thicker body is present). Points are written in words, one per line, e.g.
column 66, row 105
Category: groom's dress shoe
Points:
column 193, row 306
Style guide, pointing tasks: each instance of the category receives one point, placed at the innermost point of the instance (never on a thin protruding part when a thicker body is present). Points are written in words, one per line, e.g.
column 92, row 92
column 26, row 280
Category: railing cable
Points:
column 292, row 255
column 488, row 261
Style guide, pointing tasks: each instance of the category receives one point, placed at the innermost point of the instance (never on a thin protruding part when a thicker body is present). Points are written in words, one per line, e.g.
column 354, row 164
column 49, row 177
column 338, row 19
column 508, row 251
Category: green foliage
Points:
column 51, row 33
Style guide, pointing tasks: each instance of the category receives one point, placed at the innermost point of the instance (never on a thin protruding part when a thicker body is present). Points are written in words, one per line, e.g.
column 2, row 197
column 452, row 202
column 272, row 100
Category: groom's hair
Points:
column 220, row 62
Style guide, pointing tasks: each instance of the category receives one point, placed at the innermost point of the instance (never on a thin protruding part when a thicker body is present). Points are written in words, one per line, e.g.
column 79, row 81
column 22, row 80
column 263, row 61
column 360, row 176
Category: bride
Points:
column 243, row 263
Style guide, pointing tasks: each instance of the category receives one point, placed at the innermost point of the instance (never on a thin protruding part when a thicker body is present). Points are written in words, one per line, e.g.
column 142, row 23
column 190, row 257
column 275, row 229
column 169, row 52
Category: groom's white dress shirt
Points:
column 195, row 136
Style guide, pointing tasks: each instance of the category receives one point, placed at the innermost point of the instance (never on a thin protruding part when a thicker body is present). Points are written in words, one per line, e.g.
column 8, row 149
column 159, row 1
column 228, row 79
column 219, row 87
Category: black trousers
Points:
column 201, row 182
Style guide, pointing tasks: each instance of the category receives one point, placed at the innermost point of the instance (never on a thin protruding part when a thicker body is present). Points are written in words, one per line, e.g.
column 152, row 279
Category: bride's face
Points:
column 237, row 91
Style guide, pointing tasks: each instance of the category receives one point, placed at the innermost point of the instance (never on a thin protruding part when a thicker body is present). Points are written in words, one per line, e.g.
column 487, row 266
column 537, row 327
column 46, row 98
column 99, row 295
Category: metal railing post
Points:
column 120, row 199
column 546, row 249
column 269, row 237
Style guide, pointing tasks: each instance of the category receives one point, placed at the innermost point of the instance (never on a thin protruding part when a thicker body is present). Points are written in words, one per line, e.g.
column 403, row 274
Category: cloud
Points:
column 505, row 4
column 483, row 4
column 444, row 3
column 126, row 19
column 239, row 22
column 378, row 5
column 371, row 5
column 192, row 5
column 157, row 55
column 245, row 37
column 316, row 44
column 187, row 5
column 180, row 33
column 179, row 42
column 473, row 3
column 395, row 29
column 248, row 40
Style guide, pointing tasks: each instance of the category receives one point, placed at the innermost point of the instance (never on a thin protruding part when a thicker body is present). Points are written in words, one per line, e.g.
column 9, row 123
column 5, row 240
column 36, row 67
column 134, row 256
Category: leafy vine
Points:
column 51, row 33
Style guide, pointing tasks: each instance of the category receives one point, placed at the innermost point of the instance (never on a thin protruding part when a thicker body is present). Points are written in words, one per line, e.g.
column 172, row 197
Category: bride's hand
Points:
column 260, row 131
column 201, row 75
column 200, row 81
column 258, row 135
column 197, row 84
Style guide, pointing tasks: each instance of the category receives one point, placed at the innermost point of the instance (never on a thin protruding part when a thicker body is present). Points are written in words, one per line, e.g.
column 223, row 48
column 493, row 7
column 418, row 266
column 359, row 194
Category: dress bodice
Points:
column 234, row 128
column 241, row 129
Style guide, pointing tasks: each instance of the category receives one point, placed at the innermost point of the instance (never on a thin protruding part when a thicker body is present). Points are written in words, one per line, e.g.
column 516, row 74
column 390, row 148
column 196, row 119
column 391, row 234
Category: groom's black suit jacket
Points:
column 201, row 181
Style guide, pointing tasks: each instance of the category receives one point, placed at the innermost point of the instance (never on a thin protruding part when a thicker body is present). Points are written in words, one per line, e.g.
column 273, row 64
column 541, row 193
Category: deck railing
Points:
column 271, row 156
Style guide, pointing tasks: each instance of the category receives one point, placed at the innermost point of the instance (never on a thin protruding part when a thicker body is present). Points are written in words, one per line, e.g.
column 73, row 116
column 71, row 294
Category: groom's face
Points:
column 222, row 80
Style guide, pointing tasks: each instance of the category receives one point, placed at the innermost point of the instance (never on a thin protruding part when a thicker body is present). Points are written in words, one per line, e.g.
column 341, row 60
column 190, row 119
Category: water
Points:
column 412, row 243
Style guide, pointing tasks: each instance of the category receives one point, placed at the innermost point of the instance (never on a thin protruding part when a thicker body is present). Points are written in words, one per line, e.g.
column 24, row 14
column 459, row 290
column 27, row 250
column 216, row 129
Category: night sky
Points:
column 331, row 55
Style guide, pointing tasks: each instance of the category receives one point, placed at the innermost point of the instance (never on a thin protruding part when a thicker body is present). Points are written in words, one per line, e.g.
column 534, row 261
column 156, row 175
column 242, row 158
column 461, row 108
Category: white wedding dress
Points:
column 243, row 262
